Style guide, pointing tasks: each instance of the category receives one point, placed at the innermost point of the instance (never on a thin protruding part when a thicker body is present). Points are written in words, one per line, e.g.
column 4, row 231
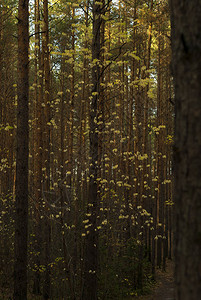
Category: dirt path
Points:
column 164, row 288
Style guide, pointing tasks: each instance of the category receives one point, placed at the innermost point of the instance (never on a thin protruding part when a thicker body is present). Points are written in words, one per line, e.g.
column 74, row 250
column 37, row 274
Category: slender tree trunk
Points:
column 186, row 46
column 47, row 228
column 38, row 143
column 1, row 67
column 91, row 255
column 21, row 221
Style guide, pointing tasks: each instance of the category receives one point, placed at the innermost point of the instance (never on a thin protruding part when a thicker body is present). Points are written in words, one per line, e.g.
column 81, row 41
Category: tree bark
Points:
column 186, row 63
column 47, row 228
column 38, row 143
column 21, row 221
column 91, row 254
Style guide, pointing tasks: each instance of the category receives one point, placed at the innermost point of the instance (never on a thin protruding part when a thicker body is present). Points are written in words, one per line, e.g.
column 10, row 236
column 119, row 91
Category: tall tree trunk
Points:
column 38, row 143
column 186, row 46
column 91, row 254
column 21, row 221
column 47, row 228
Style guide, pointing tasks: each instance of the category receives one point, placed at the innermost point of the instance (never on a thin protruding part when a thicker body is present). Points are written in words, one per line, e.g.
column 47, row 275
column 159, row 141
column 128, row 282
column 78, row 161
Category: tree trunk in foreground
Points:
column 186, row 46
column 21, row 221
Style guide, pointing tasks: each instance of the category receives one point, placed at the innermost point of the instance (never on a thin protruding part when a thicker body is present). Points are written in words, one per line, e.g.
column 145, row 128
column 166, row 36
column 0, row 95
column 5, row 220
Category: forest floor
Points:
column 164, row 289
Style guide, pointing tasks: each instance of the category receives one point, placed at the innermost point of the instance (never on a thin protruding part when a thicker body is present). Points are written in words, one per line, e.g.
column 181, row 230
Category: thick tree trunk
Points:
column 186, row 46
column 21, row 221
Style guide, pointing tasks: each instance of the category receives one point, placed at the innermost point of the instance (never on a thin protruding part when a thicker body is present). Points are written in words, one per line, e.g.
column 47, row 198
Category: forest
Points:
column 87, row 108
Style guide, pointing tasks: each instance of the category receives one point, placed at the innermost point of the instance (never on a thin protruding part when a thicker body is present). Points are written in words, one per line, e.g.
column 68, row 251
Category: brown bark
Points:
column 37, row 154
column 91, row 254
column 186, row 63
column 21, row 221
column 47, row 228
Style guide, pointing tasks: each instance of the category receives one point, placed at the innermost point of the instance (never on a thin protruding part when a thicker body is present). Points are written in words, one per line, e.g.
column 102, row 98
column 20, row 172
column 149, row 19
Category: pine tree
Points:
column 186, row 64
column 21, row 221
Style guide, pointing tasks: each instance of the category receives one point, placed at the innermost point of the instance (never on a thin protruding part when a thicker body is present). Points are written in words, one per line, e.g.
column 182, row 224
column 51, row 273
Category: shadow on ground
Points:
column 164, row 288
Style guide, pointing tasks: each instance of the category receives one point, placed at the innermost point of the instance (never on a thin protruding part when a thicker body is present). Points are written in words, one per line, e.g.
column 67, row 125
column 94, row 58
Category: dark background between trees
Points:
column 87, row 109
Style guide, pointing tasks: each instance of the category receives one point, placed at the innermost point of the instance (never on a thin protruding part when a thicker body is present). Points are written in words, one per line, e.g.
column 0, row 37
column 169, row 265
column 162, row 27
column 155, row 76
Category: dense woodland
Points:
column 93, row 83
